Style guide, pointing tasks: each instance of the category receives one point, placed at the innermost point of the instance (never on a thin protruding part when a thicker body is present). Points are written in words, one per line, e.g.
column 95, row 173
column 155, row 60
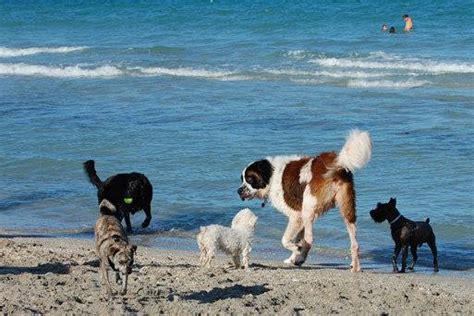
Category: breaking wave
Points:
column 423, row 66
column 360, row 83
column 14, row 52
column 59, row 72
column 110, row 71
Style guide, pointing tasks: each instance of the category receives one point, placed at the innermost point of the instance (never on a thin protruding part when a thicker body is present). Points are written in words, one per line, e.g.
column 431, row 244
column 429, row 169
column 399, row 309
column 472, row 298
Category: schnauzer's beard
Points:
column 377, row 217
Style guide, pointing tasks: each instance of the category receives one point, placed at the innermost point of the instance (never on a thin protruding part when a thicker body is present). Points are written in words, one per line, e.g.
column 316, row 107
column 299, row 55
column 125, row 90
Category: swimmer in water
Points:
column 384, row 28
column 392, row 30
column 408, row 23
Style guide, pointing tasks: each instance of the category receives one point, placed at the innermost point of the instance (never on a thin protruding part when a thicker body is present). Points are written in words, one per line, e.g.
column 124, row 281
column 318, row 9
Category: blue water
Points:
column 190, row 93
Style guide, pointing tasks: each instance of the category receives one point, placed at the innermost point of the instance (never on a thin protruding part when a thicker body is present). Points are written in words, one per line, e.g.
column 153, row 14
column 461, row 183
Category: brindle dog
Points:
column 113, row 249
column 405, row 233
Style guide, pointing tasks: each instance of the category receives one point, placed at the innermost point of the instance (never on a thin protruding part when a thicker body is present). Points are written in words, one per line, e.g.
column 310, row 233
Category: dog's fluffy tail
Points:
column 89, row 168
column 107, row 208
column 356, row 152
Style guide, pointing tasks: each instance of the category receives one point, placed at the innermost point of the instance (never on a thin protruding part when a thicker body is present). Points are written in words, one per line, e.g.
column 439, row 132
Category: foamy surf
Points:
column 111, row 71
column 423, row 66
column 360, row 83
column 185, row 72
column 14, row 52
column 59, row 72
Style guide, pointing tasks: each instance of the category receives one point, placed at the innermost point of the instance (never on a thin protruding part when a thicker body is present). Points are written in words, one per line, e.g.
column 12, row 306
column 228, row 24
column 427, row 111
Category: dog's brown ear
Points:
column 113, row 250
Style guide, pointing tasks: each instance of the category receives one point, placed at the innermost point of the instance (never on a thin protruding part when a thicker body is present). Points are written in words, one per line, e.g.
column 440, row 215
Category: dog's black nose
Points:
column 240, row 191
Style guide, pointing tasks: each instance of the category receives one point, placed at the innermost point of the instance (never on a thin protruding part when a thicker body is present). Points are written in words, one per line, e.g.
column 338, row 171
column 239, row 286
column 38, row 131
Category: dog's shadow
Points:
column 55, row 267
column 234, row 291
column 319, row 266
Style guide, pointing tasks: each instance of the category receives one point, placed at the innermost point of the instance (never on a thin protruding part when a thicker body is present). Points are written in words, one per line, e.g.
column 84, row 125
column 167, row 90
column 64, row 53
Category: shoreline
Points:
column 182, row 241
column 51, row 275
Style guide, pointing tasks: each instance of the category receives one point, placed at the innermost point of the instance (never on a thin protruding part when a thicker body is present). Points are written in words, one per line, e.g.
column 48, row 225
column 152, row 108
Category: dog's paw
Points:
column 401, row 271
column 299, row 260
column 288, row 261
column 145, row 224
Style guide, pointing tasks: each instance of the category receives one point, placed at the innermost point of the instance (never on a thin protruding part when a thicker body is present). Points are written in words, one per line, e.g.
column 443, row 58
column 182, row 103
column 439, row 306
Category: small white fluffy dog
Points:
column 235, row 241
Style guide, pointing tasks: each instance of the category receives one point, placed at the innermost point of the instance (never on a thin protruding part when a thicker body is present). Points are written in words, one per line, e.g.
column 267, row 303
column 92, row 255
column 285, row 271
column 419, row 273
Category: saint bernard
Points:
column 303, row 188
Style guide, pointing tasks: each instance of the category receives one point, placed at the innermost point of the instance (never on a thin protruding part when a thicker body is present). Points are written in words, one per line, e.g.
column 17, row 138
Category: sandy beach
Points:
column 60, row 275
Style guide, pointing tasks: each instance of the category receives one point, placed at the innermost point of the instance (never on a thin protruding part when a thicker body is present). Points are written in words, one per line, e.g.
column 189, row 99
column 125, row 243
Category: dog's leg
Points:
column 127, row 221
column 245, row 257
column 211, row 252
column 308, row 216
column 236, row 260
column 396, row 252
column 105, row 278
column 117, row 278
column 202, row 259
column 432, row 244
column 295, row 226
column 345, row 199
column 124, row 285
column 404, row 258
column 352, row 230
column 147, row 210
column 414, row 255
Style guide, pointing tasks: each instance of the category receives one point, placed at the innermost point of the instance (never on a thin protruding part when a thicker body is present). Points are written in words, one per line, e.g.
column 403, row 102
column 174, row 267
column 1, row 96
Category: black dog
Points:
column 128, row 192
column 405, row 233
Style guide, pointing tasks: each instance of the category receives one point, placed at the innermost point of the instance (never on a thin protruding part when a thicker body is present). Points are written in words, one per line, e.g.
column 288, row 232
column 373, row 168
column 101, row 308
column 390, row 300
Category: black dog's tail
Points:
column 89, row 168
column 107, row 208
column 427, row 220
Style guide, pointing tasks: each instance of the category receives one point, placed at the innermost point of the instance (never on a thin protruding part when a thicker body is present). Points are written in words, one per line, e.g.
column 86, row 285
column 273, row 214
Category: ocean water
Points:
column 190, row 92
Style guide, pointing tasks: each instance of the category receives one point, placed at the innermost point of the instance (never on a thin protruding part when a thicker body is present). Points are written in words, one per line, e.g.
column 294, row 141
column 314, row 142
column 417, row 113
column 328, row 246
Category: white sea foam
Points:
column 331, row 74
column 297, row 54
column 360, row 83
column 184, row 72
column 59, row 72
column 423, row 66
column 14, row 52
column 109, row 71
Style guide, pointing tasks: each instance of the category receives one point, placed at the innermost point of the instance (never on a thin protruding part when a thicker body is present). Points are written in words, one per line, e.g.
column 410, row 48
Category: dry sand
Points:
column 61, row 276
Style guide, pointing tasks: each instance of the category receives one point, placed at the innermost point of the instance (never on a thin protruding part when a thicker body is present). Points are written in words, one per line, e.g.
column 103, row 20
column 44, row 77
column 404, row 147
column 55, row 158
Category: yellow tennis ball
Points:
column 128, row 200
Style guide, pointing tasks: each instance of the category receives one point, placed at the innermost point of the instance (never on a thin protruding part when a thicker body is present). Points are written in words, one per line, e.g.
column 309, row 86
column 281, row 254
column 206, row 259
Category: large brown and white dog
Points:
column 303, row 188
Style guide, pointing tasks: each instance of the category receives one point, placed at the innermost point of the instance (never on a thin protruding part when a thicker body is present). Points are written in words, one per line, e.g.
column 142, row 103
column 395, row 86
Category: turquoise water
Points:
column 190, row 93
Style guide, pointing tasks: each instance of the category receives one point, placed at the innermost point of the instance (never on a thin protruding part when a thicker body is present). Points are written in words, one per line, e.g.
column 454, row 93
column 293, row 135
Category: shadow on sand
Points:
column 234, row 291
column 56, row 267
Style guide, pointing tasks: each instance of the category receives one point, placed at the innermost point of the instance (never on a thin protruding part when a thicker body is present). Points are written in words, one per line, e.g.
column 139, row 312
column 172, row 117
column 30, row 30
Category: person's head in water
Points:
column 392, row 30
column 384, row 28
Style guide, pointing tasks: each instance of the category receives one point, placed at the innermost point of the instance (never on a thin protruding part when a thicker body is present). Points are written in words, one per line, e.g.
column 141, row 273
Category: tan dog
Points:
column 113, row 249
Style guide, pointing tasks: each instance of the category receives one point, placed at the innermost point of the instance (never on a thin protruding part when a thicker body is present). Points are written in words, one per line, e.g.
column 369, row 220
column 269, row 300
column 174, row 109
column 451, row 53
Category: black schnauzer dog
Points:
column 405, row 233
column 128, row 192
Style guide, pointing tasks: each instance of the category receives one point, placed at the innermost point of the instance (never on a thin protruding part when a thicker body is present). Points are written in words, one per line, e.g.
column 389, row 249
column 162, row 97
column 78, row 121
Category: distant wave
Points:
column 59, row 72
column 110, row 71
column 14, row 52
column 386, row 84
column 353, row 78
column 184, row 72
column 331, row 74
column 431, row 67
